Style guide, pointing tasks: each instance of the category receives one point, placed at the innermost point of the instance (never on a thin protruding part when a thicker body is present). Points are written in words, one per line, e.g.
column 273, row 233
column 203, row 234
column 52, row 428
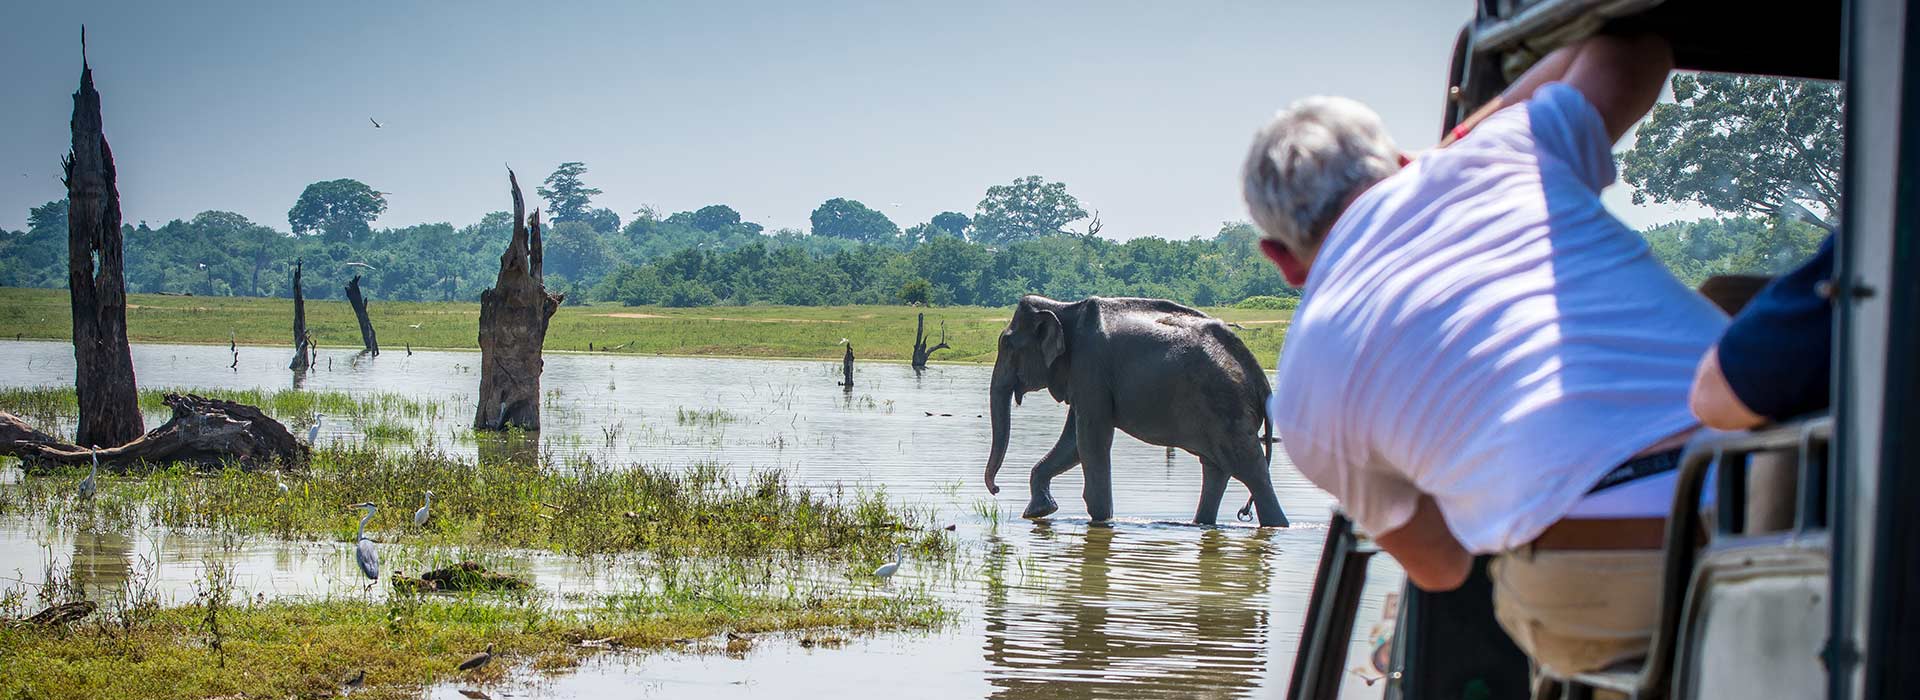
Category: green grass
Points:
column 309, row 648
column 877, row 332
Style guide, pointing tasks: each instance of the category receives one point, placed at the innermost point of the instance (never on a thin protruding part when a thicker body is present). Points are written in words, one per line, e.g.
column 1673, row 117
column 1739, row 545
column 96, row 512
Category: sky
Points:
column 1144, row 110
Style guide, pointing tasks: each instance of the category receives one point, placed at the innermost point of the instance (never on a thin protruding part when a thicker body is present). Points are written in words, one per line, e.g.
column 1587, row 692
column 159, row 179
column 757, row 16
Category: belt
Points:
column 1638, row 468
column 1614, row 533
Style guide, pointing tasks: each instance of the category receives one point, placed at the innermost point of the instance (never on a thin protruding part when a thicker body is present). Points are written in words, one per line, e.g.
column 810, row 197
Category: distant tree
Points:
column 952, row 222
column 1742, row 145
column 915, row 291
column 715, row 217
column 568, row 199
column 51, row 216
column 339, row 210
column 576, row 251
column 849, row 219
column 1028, row 208
column 602, row 220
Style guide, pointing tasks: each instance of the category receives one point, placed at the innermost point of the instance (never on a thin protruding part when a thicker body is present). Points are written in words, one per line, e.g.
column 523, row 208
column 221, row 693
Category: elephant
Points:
column 1167, row 374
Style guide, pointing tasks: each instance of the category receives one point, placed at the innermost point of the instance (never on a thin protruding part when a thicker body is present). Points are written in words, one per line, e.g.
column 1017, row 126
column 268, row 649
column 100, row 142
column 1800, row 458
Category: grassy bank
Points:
column 713, row 551
column 877, row 332
column 310, row 649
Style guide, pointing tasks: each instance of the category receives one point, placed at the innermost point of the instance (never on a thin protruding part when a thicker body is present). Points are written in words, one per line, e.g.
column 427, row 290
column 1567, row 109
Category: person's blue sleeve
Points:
column 1567, row 128
column 1777, row 354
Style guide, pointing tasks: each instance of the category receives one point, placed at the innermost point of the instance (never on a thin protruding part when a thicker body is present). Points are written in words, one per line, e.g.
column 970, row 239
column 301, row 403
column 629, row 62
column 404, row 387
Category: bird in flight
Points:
column 361, row 264
column 376, row 124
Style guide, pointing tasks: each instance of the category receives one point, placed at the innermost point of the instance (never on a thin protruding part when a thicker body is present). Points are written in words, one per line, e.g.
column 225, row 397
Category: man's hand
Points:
column 1427, row 550
column 1620, row 75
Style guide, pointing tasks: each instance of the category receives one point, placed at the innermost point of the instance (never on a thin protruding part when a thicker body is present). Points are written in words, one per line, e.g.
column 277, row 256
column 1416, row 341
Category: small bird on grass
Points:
column 354, row 683
column 887, row 570
column 477, row 660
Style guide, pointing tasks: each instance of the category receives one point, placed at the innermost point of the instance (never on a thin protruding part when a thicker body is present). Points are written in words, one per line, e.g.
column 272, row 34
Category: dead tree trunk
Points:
column 103, row 364
column 301, row 355
column 203, row 431
column 513, row 327
column 920, row 349
column 846, row 367
column 360, row 312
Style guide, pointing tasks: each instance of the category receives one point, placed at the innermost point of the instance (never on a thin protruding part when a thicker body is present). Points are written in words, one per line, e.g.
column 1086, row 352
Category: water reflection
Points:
column 102, row 562
column 1133, row 614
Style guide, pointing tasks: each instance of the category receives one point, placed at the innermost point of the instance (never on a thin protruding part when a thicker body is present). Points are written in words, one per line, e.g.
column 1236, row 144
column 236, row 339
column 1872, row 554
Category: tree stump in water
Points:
column 513, row 327
column 302, row 350
column 203, row 431
column 103, row 364
column 359, row 304
column 846, row 367
column 920, row 349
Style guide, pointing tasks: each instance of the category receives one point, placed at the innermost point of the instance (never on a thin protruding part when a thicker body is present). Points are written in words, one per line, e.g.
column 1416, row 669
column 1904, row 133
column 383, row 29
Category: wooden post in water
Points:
column 513, row 327
column 103, row 364
column 360, row 312
column 846, row 367
column 302, row 352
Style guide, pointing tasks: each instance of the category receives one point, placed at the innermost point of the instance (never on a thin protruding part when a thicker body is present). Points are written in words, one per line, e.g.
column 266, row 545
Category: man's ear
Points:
column 1291, row 267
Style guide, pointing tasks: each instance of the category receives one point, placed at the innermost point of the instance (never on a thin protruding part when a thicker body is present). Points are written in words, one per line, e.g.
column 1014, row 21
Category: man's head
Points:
column 1303, row 170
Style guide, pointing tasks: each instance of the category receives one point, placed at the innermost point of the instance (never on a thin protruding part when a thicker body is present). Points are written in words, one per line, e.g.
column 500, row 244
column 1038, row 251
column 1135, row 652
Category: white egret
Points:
column 420, row 516
column 887, row 570
column 313, row 433
column 87, row 486
column 363, row 554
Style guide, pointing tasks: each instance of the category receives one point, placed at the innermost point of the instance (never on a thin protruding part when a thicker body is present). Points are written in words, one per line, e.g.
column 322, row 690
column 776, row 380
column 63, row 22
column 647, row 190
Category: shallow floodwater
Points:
column 1149, row 607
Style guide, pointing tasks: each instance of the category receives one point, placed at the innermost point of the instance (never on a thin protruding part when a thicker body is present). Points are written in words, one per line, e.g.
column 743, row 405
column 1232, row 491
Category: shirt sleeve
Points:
column 1777, row 354
column 1557, row 125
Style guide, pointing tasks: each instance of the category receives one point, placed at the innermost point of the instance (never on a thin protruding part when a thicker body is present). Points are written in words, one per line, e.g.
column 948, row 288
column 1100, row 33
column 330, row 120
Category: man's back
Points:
column 1478, row 328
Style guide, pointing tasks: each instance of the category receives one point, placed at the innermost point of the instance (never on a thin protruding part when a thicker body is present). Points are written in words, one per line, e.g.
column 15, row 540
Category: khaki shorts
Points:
column 1577, row 611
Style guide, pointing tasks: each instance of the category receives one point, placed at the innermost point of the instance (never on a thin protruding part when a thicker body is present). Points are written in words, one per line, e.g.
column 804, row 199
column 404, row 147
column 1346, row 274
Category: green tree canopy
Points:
column 339, row 210
column 715, row 217
column 602, row 220
column 568, row 199
column 1742, row 145
column 849, row 219
column 1028, row 208
column 952, row 222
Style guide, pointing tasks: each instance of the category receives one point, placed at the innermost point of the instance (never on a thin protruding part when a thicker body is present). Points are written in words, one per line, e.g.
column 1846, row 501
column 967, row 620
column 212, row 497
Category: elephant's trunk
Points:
column 1001, row 408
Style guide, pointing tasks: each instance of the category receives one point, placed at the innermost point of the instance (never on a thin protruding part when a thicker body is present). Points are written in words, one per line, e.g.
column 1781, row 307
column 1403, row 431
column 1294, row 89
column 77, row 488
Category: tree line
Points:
column 1763, row 153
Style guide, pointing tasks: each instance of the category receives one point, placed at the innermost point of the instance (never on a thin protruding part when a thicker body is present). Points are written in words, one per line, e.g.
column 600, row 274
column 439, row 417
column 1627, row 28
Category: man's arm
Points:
column 1713, row 401
column 1427, row 550
column 1620, row 75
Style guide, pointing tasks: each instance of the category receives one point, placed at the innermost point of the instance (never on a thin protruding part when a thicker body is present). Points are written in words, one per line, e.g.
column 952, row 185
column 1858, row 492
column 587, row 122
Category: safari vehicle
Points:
column 1827, row 606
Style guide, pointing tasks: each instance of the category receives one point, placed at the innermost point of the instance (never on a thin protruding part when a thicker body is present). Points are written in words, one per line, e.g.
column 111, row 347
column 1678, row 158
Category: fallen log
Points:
column 470, row 576
column 204, row 432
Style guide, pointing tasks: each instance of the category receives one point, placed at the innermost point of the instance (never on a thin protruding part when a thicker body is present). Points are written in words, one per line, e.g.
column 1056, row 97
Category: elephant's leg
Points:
column 1065, row 455
column 1213, row 486
column 1249, row 467
column 1095, row 437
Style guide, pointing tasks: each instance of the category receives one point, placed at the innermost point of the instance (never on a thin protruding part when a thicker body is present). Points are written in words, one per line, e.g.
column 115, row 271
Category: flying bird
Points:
column 376, row 124
column 359, row 264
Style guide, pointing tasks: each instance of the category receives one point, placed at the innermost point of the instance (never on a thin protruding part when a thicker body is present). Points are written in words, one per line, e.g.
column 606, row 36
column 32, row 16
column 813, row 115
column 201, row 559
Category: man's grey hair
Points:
column 1303, row 165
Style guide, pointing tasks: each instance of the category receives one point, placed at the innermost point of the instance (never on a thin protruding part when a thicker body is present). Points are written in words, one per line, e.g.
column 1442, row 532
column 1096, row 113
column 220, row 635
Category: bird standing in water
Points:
column 363, row 554
column 87, row 485
column 420, row 516
column 313, row 433
column 478, row 660
column 887, row 570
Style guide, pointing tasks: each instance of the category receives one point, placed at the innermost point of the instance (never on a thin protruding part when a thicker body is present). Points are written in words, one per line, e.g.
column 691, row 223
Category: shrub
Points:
column 1269, row 303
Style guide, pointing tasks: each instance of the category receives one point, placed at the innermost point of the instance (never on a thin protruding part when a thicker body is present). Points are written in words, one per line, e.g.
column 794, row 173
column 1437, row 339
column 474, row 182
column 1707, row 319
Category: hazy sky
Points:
column 1144, row 110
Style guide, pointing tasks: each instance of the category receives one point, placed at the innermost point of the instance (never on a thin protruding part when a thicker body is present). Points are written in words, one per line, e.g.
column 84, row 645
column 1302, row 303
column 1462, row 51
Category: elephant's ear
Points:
column 1053, row 337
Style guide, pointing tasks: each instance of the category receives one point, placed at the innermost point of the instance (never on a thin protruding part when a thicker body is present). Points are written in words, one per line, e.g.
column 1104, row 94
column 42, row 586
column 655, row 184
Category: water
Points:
column 1147, row 608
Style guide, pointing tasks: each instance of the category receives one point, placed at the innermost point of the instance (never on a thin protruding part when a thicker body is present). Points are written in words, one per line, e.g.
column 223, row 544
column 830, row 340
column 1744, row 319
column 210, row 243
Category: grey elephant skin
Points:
column 1167, row 374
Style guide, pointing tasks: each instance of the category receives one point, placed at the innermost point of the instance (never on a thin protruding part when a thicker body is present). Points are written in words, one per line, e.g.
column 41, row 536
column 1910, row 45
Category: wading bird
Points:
column 478, row 660
column 313, row 433
column 87, row 486
column 420, row 516
column 363, row 553
column 887, row 570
